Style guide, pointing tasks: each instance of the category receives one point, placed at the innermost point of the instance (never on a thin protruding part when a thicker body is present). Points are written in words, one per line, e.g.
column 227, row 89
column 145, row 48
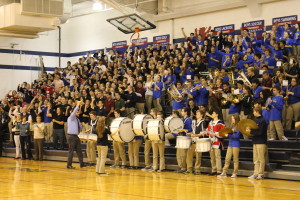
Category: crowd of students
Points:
column 214, row 73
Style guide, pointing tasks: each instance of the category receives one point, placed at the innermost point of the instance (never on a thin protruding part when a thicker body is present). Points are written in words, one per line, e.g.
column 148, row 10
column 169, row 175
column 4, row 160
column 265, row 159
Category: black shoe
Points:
column 114, row 166
column 130, row 167
column 135, row 167
column 180, row 171
column 123, row 166
column 212, row 174
column 102, row 173
column 70, row 167
column 83, row 165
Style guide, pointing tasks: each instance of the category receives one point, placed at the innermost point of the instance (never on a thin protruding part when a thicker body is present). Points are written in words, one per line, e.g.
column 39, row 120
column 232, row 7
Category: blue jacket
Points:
column 234, row 108
column 202, row 96
column 276, row 107
column 234, row 139
column 256, row 92
column 266, row 115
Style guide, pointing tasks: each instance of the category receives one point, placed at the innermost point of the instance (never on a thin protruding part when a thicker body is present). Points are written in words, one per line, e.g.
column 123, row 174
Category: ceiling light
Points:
column 97, row 6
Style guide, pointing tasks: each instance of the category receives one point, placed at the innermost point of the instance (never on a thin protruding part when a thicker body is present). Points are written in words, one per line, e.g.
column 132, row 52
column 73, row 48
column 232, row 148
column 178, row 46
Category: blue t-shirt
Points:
column 157, row 93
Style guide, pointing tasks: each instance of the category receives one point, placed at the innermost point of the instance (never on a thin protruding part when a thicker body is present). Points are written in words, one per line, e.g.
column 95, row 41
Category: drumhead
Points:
column 139, row 123
column 126, row 132
column 175, row 124
column 155, row 128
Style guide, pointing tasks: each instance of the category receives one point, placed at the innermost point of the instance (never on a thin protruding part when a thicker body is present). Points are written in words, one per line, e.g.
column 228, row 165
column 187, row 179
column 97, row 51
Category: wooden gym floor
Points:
column 51, row 180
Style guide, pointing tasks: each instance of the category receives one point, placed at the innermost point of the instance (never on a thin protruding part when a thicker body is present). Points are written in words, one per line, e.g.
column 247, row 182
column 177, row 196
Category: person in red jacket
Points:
column 214, row 126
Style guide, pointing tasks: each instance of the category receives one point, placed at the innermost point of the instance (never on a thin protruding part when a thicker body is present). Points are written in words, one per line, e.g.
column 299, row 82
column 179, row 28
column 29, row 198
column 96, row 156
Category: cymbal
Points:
column 244, row 123
column 225, row 131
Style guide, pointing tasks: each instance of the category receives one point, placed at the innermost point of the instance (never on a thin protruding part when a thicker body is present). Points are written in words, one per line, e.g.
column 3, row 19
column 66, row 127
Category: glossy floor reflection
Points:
column 51, row 180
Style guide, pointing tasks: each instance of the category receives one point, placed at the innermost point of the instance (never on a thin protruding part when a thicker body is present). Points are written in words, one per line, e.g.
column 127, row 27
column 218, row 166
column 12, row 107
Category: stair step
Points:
column 291, row 167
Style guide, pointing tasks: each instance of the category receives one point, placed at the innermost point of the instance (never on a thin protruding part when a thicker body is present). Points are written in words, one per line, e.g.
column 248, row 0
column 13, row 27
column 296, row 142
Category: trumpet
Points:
column 237, row 98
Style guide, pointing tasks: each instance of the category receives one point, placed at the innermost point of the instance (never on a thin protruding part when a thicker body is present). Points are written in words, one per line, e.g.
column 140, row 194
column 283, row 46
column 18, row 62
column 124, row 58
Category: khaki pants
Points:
column 130, row 113
column 91, row 151
column 147, row 149
column 259, row 153
column 276, row 127
column 215, row 160
column 190, row 159
column 48, row 131
column 168, row 137
column 158, row 146
column 140, row 107
column 243, row 116
column 102, row 153
column 157, row 104
column 225, row 117
column 232, row 151
column 181, row 158
column 148, row 102
column 290, row 113
column 10, row 124
column 119, row 152
column 133, row 152
column 38, row 148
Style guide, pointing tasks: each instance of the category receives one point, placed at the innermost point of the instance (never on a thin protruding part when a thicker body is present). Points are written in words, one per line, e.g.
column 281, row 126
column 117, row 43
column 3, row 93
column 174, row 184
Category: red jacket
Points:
column 215, row 127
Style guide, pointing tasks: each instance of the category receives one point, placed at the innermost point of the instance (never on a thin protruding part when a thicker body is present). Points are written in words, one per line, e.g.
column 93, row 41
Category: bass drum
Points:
column 172, row 124
column 155, row 130
column 139, row 124
column 124, row 125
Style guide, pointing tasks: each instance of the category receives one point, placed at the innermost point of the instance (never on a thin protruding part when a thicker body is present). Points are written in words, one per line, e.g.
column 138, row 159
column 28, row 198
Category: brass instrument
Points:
column 216, row 72
column 247, row 123
column 286, row 98
column 245, row 79
column 172, row 90
column 237, row 98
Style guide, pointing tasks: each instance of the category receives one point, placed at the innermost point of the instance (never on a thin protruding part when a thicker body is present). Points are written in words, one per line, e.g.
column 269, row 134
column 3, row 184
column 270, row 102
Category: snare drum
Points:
column 83, row 136
column 93, row 137
column 139, row 124
column 183, row 142
column 155, row 129
column 203, row 145
column 126, row 133
column 172, row 124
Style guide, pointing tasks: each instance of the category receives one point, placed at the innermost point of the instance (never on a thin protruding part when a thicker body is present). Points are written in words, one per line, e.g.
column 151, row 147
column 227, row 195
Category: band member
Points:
column 276, row 107
column 292, row 111
column 187, row 129
column 91, row 145
column 233, row 148
column 119, row 149
column 225, row 106
column 158, row 146
column 259, row 141
column 74, row 128
column 148, row 144
column 133, row 152
column 157, row 87
column 171, row 136
column 203, row 93
column 178, row 101
column 102, row 145
column 256, row 88
column 199, row 126
column 214, row 126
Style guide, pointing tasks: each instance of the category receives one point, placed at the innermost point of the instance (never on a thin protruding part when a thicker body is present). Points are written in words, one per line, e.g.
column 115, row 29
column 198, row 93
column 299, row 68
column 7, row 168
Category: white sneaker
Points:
column 233, row 175
column 252, row 177
column 271, row 139
column 259, row 177
column 222, row 175
column 284, row 138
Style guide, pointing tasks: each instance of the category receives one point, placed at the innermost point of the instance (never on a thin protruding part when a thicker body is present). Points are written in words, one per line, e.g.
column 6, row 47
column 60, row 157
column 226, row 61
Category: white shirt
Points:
column 148, row 91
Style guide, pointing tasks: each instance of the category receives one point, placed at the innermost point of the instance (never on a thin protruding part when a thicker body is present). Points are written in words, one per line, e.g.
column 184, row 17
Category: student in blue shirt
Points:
column 256, row 88
column 178, row 101
column 269, row 61
column 296, row 40
column 213, row 59
column 276, row 107
column 203, row 93
column 157, row 87
column 187, row 128
column 233, row 149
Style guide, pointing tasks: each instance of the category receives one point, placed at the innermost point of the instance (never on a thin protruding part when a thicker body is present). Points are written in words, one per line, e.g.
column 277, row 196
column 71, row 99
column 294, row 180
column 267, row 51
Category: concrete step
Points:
column 291, row 167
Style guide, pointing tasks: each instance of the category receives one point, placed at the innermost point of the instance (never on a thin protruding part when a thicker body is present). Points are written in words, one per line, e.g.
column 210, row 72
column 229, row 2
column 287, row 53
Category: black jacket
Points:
column 260, row 135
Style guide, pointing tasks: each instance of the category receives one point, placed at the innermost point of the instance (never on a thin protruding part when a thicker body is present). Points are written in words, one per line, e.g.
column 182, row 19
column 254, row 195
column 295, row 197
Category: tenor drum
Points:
column 203, row 145
column 155, row 129
column 183, row 142
column 126, row 133
column 172, row 124
column 139, row 124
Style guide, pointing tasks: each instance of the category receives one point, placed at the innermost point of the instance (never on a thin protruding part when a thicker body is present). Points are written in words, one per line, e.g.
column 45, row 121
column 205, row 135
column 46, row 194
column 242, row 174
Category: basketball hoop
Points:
column 137, row 32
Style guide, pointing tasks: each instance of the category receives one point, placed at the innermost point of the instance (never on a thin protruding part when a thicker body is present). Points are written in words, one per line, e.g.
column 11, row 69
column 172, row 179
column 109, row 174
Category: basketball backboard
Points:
column 129, row 23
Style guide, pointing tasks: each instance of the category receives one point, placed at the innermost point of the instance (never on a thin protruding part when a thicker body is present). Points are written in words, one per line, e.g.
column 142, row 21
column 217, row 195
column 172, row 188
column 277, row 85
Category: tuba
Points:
column 245, row 79
column 172, row 90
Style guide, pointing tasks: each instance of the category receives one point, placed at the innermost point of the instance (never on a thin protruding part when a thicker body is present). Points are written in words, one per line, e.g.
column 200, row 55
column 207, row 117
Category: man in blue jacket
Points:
column 276, row 107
